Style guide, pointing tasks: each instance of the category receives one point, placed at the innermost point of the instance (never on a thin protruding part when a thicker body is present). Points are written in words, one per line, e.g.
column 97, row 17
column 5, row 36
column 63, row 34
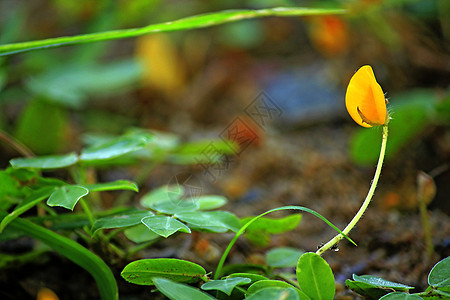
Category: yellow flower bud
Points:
column 365, row 99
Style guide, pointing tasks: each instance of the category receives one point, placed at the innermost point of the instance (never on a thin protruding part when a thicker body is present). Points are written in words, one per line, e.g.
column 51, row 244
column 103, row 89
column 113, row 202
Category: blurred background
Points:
column 276, row 87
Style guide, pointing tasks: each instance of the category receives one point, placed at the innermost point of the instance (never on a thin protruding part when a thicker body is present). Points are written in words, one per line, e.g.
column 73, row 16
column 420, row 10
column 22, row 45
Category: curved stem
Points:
column 366, row 202
column 244, row 227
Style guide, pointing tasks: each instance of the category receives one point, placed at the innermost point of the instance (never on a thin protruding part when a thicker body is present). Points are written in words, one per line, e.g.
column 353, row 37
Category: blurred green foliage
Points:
column 411, row 112
column 43, row 126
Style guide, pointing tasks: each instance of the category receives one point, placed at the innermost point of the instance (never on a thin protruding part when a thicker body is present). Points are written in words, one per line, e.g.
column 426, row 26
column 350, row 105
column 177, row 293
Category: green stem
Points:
column 47, row 209
column 246, row 225
column 117, row 250
column 87, row 211
column 79, row 176
column 366, row 202
column 113, row 233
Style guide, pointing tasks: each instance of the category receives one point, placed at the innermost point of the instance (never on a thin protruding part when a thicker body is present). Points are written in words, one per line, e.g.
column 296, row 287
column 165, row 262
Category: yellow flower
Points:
column 365, row 99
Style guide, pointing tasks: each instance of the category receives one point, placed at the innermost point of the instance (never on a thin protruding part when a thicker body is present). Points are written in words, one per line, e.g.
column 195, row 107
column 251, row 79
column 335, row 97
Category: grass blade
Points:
column 75, row 252
column 198, row 21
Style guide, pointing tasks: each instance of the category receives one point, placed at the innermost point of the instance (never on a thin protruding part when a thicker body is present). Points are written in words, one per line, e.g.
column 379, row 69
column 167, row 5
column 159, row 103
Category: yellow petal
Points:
column 365, row 99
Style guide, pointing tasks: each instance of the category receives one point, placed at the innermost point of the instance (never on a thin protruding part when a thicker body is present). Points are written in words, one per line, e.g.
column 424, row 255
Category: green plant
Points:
column 315, row 278
column 24, row 188
column 165, row 211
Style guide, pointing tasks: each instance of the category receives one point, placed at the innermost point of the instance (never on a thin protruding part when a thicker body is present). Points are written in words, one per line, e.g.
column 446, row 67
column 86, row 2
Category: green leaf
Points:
column 175, row 206
column 410, row 115
column 45, row 162
column 92, row 117
column 116, row 147
column 178, row 291
column 366, row 290
column 42, row 182
column 374, row 287
column 275, row 293
column 215, row 221
column 143, row 271
column 400, row 296
column 124, row 219
column 440, row 274
column 315, row 277
column 161, row 146
column 162, row 194
column 43, row 127
column 71, row 84
column 382, row 283
column 73, row 220
column 164, row 225
column 199, row 21
column 244, row 268
column 202, row 152
column 253, row 277
column 263, row 284
column 67, row 196
column 259, row 232
column 442, row 291
column 197, row 148
column 283, row 257
column 9, row 187
column 164, row 141
column 210, row 202
column 112, row 186
column 22, row 175
column 140, row 234
column 226, row 285
column 442, row 108
column 75, row 252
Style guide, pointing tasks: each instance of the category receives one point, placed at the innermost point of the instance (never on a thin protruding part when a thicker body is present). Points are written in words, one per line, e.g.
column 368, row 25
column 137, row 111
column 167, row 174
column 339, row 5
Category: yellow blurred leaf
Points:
column 164, row 70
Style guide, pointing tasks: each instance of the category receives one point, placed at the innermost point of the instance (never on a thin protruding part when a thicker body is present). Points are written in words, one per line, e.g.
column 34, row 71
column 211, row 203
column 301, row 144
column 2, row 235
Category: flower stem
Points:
column 366, row 202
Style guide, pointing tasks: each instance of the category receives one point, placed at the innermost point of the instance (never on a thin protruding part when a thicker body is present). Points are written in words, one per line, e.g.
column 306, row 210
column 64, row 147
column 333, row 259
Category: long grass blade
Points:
column 75, row 252
column 193, row 22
